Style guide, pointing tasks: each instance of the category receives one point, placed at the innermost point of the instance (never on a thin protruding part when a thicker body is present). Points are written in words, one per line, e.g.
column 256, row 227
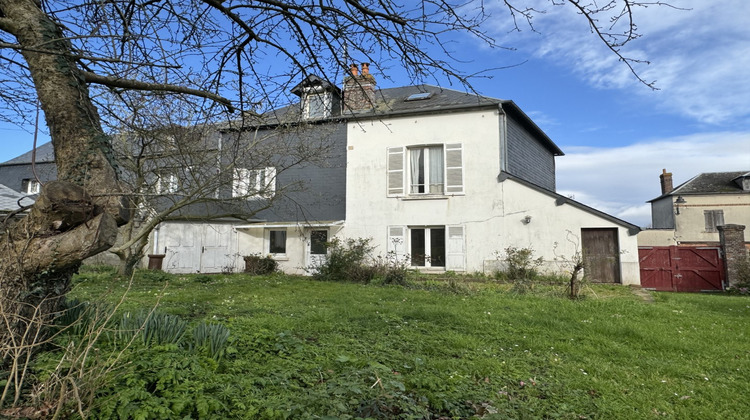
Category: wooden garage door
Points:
column 681, row 269
column 601, row 255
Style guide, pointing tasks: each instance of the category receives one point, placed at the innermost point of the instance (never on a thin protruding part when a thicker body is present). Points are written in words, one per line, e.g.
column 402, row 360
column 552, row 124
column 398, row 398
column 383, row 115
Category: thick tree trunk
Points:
column 74, row 218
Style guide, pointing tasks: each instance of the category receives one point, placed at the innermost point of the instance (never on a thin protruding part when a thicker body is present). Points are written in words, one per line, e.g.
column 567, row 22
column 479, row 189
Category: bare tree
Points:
column 75, row 58
column 179, row 166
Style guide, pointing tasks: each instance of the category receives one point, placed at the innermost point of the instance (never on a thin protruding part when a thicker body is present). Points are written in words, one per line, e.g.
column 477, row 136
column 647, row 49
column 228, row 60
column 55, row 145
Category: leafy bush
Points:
column 520, row 268
column 347, row 260
column 260, row 266
column 392, row 269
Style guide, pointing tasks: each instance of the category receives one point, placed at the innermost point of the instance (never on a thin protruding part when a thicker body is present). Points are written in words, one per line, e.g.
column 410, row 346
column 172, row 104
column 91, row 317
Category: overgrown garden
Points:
column 277, row 346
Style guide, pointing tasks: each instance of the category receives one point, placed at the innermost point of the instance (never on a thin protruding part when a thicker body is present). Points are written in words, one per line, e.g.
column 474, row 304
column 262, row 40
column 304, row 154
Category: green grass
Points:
column 309, row 349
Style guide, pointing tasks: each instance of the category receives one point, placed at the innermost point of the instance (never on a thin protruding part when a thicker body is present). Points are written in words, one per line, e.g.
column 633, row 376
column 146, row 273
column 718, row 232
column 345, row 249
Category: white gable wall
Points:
column 491, row 213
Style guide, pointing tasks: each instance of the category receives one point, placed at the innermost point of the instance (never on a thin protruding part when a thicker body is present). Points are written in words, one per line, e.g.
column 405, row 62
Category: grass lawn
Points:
column 308, row 349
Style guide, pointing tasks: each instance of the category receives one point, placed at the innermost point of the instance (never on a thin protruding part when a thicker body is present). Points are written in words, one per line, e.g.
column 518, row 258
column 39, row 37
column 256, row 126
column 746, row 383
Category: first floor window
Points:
column 277, row 242
column 254, row 182
column 426, row 170
column 713, row 218
column 167, row 182
column 427, row 246
column 31, row 186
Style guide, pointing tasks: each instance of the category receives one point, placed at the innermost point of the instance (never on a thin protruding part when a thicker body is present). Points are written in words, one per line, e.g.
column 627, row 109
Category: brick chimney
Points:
column 359, row 89
column 666, row 182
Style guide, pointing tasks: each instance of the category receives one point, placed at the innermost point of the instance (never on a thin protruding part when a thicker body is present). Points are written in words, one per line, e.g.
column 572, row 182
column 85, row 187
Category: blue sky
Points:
column 616, row 133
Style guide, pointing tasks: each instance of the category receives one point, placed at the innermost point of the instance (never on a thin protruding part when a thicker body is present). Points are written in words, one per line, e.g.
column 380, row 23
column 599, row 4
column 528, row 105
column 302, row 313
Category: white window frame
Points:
column 399, row 172
column 426, row 166
column 326, row 102
column 31, row 186
column 246, row 181
column 166, row 183
column 428, row 246
column 399, row 245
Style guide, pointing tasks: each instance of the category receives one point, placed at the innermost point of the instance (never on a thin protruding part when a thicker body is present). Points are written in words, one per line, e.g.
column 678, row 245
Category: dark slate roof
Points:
column 10, row 199
column 392, row 101
column 313, row 80
column 710, row 183
column 44, row 153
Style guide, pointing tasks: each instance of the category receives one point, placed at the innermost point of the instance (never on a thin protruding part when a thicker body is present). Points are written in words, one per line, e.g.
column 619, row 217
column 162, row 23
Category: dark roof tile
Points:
column 712, row 183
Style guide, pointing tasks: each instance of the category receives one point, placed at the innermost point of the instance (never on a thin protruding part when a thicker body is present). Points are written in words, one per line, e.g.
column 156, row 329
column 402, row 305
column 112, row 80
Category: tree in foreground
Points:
column 78, row 60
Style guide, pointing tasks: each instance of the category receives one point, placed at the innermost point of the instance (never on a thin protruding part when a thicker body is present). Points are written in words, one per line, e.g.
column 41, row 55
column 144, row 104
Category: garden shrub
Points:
column 260, row 266
column 520, row 268
column 347, row 260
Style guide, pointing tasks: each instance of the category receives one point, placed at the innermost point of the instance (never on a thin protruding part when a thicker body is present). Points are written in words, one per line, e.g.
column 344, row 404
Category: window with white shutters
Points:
column 395, row 171
column 397, row 242
column 713, row 218
column 456, row 249
column 425, row 170
column 454, row 171
column 254, row 183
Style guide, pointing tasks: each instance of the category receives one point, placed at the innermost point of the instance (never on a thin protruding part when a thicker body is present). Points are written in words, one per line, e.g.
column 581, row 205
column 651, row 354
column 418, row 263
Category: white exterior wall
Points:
column 492, row 212
column 254, row 240
column 691, row 225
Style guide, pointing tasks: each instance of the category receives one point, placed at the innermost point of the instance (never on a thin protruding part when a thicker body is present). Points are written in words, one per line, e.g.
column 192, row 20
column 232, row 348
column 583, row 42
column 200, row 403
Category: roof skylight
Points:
column 418, row 96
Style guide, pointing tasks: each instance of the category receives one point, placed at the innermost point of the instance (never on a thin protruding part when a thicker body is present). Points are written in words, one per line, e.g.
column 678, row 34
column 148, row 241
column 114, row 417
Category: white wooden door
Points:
column 216, row 248
column 182, row 247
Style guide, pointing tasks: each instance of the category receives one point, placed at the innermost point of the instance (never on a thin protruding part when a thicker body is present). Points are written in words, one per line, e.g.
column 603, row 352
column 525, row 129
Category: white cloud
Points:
column 620, row 180
column 699, row 57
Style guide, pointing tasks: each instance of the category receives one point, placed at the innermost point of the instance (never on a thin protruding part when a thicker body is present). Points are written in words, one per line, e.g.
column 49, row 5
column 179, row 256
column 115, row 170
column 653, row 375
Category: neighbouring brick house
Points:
column 690, row 213
column 697, row 241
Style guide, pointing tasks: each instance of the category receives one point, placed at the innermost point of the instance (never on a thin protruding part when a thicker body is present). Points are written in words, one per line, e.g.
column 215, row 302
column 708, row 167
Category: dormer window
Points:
column 318, row 98
column 316, row 103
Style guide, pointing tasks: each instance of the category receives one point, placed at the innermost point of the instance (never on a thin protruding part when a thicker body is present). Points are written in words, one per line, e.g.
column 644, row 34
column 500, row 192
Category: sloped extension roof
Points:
column 310, row 224
column 560, row 200
column 709, row 183
column 10, row 199
column 45, row 153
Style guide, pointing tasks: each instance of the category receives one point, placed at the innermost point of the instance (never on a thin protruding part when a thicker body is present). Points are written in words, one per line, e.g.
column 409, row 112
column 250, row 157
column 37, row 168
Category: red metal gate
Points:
column 681, row 269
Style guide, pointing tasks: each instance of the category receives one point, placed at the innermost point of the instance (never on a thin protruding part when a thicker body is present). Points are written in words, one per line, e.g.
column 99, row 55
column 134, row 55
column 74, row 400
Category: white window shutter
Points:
column 454, row 171
column 395, row 171
column 455, row 249
column 270, row 181
column 397, row 241
column 240, row 183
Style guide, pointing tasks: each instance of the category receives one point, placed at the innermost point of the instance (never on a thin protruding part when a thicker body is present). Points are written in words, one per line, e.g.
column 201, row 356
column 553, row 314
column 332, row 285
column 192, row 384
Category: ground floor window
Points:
column 277, row 242
column 318, row 241
column 427, row 246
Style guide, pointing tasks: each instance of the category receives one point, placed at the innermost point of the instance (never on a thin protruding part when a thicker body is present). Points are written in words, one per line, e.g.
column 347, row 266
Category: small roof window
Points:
column 418, row 96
